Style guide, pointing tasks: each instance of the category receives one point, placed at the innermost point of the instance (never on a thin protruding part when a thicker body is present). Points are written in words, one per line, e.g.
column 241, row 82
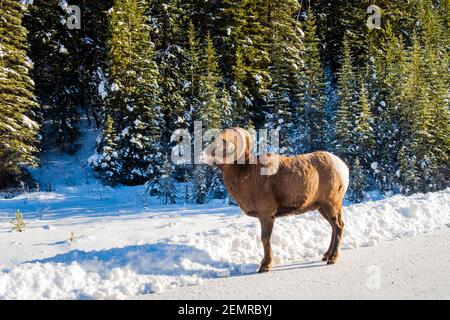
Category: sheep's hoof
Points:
column 326, row 256
column 264, row 269
column 332, row 259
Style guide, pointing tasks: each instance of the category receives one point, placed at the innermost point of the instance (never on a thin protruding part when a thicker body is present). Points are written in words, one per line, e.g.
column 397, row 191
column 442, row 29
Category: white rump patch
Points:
column 341, row 169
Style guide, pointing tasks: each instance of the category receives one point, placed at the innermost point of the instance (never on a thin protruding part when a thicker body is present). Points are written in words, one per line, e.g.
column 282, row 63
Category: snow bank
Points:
column 120, row 273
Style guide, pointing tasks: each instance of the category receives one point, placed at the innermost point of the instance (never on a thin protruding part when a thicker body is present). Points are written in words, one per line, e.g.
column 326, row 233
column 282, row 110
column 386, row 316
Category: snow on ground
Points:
column 122, row 249
column 83, row 240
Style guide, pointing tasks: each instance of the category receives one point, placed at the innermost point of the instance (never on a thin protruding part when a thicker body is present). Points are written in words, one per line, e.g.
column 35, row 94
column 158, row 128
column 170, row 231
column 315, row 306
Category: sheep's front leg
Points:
column 267, row 222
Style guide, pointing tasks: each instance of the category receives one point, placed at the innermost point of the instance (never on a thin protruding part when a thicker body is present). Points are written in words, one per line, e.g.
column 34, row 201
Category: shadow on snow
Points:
column 152, row 259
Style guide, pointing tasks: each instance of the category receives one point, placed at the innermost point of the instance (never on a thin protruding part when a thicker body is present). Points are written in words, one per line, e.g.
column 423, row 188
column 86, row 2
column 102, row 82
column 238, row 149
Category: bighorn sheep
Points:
column 314, row 181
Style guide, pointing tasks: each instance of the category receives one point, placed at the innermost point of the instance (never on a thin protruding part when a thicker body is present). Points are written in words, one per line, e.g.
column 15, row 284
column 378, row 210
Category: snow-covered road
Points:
column 408, row 268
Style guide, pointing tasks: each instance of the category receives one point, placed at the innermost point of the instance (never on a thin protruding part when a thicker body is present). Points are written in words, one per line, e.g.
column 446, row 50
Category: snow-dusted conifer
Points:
column 106, row 162
column 164, row 186
column 310, row 116
column 18, row 130
column 134, row 98
column 346, row 115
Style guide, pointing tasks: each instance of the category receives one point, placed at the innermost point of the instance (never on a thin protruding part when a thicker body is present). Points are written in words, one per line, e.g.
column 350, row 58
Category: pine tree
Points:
column 358, row 184
column 200, row 179
column 439, row 129
column 363, row 137
column 247, row 27
column 213, row 102
column 168, row 19
column 193, row 70
column 56, row 52
column 311, row 117
column 106, row 162
column 18, row 130
column 415, row 126
column 134, row 97
column 209, row 94
column 286, row 61
column 92, row 60
column 278, row 115
column 435, row 64
column 164, row 186
column 239, row 92
column 339, row 20
column 363, row 132
column 345, row 117
column 391, row 74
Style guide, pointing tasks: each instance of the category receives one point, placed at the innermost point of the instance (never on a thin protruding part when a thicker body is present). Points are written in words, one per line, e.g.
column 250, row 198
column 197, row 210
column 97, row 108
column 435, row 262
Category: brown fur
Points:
column 302, row 183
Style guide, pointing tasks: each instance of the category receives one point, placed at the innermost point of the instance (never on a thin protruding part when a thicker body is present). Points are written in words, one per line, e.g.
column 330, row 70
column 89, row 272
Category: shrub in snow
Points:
column 106, row 161
column 163, row 185
column 71, row 237
column 18, row 224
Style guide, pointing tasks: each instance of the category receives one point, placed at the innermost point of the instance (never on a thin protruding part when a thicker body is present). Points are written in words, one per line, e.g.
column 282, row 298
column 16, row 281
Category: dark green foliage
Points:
column 107, row 163
column 18, row 130
column 378, row 98
column 56, row 52
column 311, row 119
column 68, row 65
column 164, row 186
column 134, row 94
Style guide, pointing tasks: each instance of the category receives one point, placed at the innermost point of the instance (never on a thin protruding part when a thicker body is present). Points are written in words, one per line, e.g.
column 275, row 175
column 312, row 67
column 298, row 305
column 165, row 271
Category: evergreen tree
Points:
column 277, row 110
column 210, row 96
column 311, row 118
column 435, row 65
column 239, row 92
column 107, row 162
column 193, row 70
column 346, row 113
column 92, row 62
column 56, row 52
column 363, row 137
column 168, row 19
column 358, row 184
column 285, row 54
column 134, row 97
column 164, row 187
column 213, row 102
column 390, row 78
column 18, row 130
column 247, row 27
column 415, row 126
column 440, row 123
column 363, row 132
column 200, row 179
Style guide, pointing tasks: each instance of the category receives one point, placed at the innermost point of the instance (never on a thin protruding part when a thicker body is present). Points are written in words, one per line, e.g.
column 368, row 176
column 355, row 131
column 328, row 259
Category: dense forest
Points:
column 140, row 69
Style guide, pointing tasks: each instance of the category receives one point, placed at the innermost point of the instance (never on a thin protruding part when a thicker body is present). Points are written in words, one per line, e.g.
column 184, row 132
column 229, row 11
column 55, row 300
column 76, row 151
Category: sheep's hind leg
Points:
column 338, row 225
column 267, row 222
column 327, row 254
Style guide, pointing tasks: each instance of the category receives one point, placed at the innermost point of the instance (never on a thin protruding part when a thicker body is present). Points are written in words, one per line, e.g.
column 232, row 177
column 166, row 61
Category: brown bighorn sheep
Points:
column 294, row 185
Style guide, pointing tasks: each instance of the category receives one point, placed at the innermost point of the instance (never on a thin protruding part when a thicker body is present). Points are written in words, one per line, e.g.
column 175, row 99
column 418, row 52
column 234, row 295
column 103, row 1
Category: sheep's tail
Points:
column 342, row 170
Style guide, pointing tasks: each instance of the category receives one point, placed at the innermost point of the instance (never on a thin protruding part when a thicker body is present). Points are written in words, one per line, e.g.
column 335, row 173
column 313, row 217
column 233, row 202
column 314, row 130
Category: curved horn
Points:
column 244, row 145
column 241, row 141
